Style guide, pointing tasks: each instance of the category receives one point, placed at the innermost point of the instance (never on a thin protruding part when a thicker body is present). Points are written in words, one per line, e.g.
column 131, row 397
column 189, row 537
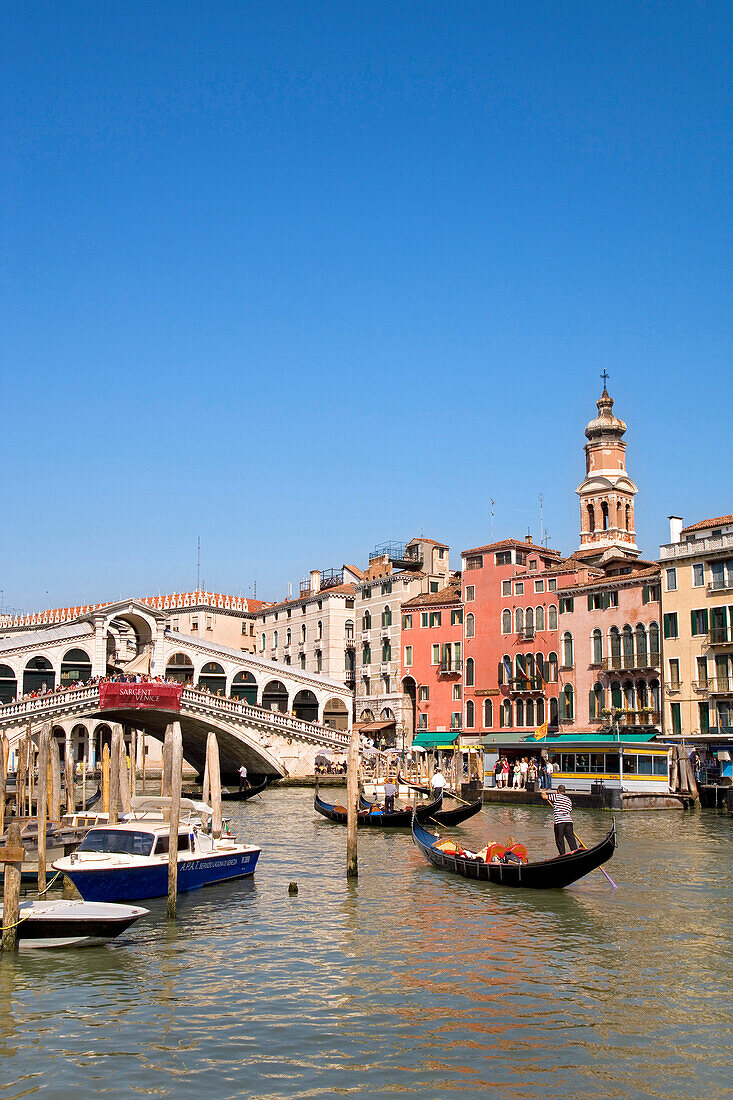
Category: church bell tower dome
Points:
column 607, row 492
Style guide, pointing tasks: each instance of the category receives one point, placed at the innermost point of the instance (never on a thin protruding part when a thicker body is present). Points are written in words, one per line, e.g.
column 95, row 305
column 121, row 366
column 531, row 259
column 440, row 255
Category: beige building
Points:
column 697, row 614
column 397, row 572
column 314, row 631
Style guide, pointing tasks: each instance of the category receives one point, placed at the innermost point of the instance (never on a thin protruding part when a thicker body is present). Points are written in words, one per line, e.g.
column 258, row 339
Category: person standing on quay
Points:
column 563, row 819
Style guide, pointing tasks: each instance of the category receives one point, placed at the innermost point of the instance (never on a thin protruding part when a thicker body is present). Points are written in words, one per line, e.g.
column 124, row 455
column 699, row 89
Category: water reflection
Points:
column 408, row 982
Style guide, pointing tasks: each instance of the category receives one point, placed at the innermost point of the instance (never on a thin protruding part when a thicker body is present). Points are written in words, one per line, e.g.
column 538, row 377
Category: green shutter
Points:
column 693, row 621
column 666, row 626
column 590, row 601
column 705, row 626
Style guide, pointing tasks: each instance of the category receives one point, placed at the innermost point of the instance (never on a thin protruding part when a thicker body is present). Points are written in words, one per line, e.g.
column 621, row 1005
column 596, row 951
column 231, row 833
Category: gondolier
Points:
column 242, row 776
column 563, row 808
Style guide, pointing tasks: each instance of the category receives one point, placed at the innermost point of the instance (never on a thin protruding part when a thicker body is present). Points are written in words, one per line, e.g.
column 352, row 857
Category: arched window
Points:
column 552, row 617
column 274, row 640
column 628, row 647
column 539, row 618
column 506, row 621
column 597, row 645
column 470, row 671
column 641, row 656
column 520, row 712
column 366, row 653
column 628, row 518
column 604, row 514
column 8, row 684
column 529, row 621
column 529, row 667
column 654, row 689
column 619, row 515
column 262, row 641
column 596, row 701
column 642, row 696
column 519, row 671
column 615, row 640
column 529, row 712
column 539, row 664
column 505, row 669
column 552, row 722
column 653, row 645
column 366, row 621
column 519, row 620
column 349, row 628
column 552, row 668
column 488, row 713
column 470, row 720
column 629, row 694
column 386, row 650
column 288, row 636
column 591, row 518
column 386, row 616
column 616, row 701
column 76, row 667
column 540, row 712
column 319, row 630
column 567, row 649
column 302, row 632
column 566, row 703
column 470, row 625
column 505, row 715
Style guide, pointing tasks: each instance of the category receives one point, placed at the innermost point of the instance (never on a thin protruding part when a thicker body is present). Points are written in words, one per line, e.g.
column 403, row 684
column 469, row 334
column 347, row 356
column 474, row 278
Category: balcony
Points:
column 720, row 636
column 365, row 635
column 644, row 716
column 384, row 668
column 527, row 635
column 627, row 662
column 673, row 687
column 350, row 643
column 384, row 632
column 449, row 668
column 700, row 687
column 720, row 585
column 525, row 684
column 696, row 548
column 720, row 685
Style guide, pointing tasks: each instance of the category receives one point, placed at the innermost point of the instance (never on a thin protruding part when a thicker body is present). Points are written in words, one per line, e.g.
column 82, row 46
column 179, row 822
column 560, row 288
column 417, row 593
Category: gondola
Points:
column 402, row 782
column 95, row 798
column 549, row 874
column 443, row 817
column 244, row 793
column 400, row 819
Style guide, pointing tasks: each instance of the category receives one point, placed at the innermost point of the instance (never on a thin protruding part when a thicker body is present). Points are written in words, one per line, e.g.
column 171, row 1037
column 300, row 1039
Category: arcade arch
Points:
column 38, row 675
column 76, row 667
column 305, row 706
column 275, row 696
column 335, row 714
column 244, row 686
column 180, row 668
column 8, row 684
column 213, row 678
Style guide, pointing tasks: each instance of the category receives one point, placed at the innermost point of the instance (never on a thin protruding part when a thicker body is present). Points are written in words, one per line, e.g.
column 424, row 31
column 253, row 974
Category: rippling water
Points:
column 410, row 981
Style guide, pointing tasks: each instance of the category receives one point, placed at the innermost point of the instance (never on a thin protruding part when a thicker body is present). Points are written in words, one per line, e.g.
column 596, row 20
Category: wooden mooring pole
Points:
column 352, row 804
column 12, row 856
column 114, row 773
column 3, row 782
column 174, row 742
column 41, row 805
column 69, row 778
column 124, row 779
column 214, row 773
column 105, row 779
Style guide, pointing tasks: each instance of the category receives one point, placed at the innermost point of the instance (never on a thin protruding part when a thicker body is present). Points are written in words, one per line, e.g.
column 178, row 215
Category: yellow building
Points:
column 697, row 615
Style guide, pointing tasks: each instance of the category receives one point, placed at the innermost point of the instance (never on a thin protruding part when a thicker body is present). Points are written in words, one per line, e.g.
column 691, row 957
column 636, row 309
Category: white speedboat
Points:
column 73, row 923
column 129, row 861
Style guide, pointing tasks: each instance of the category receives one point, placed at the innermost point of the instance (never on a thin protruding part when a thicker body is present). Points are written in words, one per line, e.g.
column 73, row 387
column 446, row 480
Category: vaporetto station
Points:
column 267, row 715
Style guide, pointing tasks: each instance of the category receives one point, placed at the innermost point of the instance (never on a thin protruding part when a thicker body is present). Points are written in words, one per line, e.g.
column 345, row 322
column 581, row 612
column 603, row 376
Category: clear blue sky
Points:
column 301, row 278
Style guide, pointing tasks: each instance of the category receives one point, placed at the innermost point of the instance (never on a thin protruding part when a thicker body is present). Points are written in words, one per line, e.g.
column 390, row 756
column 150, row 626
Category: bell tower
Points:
column 607, row 492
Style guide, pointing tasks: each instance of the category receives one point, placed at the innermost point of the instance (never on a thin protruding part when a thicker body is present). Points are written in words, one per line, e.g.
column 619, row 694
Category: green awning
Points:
column 445, row 739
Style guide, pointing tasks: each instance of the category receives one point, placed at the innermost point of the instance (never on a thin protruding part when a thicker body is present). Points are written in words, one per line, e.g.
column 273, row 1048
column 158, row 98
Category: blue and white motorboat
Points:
column 129, row 861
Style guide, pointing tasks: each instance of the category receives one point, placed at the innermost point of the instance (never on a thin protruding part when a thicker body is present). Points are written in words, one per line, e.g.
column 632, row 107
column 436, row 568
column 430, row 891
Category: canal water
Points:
column 410, row 982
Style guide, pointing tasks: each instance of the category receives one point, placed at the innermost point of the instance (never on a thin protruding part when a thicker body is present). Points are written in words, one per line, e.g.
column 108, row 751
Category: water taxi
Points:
column 129, row 861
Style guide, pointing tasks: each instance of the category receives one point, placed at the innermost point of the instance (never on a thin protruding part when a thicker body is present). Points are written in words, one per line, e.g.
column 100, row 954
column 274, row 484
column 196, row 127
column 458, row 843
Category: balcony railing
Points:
column 719, row 635
column 629, row 662
column 449, row 667
column 531, row 683
column 700, row 687
column 673, row 687
column 696, row 547
column 721, row 584
column 350, row 643
column 720, row 685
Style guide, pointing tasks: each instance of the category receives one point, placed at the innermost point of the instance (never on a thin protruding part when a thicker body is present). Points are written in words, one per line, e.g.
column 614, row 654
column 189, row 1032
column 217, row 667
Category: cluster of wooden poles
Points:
column 38, row 784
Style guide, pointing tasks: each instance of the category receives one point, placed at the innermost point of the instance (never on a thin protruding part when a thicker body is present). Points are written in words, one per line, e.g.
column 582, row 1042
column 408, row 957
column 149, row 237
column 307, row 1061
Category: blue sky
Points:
column 302, row 278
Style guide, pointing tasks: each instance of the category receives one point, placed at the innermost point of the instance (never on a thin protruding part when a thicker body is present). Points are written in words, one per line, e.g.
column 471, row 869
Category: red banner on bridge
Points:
column 116, row 695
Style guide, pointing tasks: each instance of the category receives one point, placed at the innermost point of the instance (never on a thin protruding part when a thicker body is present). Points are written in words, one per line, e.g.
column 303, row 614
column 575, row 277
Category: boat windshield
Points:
column 121, row 841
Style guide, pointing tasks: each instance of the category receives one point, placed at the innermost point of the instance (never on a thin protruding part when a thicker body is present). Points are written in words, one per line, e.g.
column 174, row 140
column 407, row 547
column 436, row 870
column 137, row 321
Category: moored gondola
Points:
column 549, row 874
column 419, row 787
column 441, row 816
column 243, row 793
column 373, row 818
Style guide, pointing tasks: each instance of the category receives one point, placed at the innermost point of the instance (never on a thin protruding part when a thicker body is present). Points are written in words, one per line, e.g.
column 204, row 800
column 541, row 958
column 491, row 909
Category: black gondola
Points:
column 549, row 874
column 94, row 799
column 443, row 817
column 402, row 782
column 399, row 819
column 244, row 793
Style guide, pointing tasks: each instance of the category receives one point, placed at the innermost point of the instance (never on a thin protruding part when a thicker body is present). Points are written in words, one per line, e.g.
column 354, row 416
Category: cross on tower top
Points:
column 604, row 376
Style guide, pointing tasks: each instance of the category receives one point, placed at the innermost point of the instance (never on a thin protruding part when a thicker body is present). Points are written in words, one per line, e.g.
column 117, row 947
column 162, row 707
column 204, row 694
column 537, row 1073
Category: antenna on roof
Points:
column 198, row 563
column 542, row 526
column 493, row 502
column 255, row 592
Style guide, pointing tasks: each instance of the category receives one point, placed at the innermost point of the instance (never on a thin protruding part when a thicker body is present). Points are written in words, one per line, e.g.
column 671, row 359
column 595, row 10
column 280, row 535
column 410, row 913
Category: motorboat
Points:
column 129, row 861
column 73, row 923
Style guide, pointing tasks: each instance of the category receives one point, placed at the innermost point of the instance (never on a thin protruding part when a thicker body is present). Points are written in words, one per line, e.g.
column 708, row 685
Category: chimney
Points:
column 675, row 528
column 316, row 579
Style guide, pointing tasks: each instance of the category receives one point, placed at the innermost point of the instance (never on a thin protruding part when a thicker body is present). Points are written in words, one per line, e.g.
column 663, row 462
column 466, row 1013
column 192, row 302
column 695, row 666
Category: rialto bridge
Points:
column 271, row 717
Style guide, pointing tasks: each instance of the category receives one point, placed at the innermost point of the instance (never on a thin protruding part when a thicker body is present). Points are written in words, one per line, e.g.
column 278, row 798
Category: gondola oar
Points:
column 585, row 846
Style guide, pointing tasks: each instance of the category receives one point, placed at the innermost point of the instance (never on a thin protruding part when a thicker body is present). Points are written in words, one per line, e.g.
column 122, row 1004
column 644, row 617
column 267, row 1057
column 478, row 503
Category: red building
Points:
column 512, row 659
column 432, row 651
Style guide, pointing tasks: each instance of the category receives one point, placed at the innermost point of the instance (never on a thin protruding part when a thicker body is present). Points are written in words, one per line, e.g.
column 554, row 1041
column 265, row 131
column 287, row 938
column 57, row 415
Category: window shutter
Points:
column 590, row 601
column 666, row 626
column 693, row 620
column 705, row 626
column 645, row 594
column 606, row 599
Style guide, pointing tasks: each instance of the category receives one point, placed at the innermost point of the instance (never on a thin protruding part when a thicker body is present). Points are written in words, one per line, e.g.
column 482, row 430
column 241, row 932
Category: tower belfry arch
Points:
column 607, row 492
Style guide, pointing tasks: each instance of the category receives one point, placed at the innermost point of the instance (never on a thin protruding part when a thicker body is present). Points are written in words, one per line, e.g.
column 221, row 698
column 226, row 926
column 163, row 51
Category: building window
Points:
column 567, row 649
column 671, row 579
column 436, row 655
column 506, row 621
column 455, row 720
column 674, row 673
column 433, row 586
column 533, row 563
column 552, row 617
column 262, row 641
column 348, row 629
column 470, row 670
column 386, row 617
column 194, row 624
column 505, row 715
column 475, row 561
column 504, row 558
column 319, row 661
column 289, row 636
column 671, row 626
column 302, row 661
column 470, row 626
column 387, row 588
column 408, row 656
column 469, row 715
column 470, row 593
column 519, row 706
column 424, row 618
column 519, row 620
column 407, row 622
column 366, row 594
column 176, row 624
column 539, row 586
column 209, row 623
column 302, row 632
column 506, row 588
column 423, row 694
column 552, row 585
column 539, row 618
column 386, row 650
column 675, row 713
column 566, row 703
column 366, row 621
column 597, row 638
column 435, row 618
column 488, row 713
column 552, row 668
column 698, row 575
column 274, row 640
column 699, row 621
column 456, row 618
column 456, row 691
column 519, row 588
column 366, row 654
column 566, row 604
column 422, row 721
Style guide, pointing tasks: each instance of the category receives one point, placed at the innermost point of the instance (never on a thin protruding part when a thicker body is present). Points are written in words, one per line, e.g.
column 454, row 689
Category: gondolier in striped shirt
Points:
column 563, row 819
